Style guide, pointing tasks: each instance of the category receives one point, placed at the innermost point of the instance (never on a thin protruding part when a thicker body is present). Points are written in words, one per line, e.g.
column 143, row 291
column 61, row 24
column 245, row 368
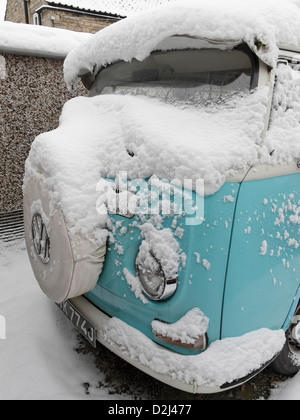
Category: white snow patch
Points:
column 135, row 285
column 263, row 248
column 187, row 330
column 164, row 247
column 198, row 257
column 282, row 137
column 206, row 264
column 228, row 199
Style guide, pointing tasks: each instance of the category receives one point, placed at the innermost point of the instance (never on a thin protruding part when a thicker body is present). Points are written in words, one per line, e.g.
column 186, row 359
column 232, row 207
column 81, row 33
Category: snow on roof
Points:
column 262, row 24
column 114, row 7
column 21, row 39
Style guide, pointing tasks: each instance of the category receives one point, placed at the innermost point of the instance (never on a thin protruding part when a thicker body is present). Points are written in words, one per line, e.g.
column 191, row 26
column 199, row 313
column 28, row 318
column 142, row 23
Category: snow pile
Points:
column 95, row 135
column 223, row 362
column 262, row 24
column 35, row 39
column 163, row 246
column 188, row 329
column 135, row 285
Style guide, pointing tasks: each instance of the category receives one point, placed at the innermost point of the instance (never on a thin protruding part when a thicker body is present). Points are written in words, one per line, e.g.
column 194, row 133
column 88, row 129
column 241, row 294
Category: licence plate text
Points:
column 79, row 321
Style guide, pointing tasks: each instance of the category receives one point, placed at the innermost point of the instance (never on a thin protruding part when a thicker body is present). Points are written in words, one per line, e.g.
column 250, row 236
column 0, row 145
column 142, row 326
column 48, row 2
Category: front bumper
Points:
column 225, row 364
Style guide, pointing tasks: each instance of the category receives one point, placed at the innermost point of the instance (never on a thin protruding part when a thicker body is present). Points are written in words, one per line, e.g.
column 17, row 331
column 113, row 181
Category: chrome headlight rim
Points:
column 169, row 285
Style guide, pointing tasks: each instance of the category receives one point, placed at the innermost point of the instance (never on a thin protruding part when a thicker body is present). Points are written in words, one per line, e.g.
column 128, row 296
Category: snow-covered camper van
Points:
column 163, row 214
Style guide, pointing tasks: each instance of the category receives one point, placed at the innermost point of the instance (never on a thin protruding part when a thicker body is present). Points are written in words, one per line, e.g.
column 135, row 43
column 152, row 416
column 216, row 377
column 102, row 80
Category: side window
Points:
column 286, row 93
column 283, row 136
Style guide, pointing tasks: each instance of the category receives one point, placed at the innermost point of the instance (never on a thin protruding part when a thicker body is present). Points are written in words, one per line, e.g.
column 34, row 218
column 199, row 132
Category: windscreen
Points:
column 193, row 76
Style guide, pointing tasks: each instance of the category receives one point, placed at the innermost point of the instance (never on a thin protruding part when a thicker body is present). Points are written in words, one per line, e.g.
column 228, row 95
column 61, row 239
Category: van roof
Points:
column 262, row 24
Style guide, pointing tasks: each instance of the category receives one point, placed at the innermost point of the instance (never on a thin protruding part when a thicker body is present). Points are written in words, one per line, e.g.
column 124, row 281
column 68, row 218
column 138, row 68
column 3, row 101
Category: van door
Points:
column 264, row 262
column 263, row 270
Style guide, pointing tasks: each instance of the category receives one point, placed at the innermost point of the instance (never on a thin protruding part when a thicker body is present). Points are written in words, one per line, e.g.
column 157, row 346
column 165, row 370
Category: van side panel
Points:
column 264, row 261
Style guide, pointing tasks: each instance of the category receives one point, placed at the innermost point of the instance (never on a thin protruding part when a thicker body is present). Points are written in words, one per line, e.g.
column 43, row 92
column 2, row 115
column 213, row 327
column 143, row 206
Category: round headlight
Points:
column 154, row 283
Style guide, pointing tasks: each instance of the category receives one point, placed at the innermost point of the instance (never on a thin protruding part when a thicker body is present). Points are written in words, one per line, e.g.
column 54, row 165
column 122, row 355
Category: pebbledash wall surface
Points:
column 32, row 94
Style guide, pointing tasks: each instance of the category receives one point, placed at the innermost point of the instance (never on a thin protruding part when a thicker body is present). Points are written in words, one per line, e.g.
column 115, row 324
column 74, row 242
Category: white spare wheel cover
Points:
column 59, row 274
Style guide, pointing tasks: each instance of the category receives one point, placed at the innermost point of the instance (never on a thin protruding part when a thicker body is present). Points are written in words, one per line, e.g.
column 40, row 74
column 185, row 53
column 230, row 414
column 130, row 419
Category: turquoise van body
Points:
column 262, row 282
column 251, row 280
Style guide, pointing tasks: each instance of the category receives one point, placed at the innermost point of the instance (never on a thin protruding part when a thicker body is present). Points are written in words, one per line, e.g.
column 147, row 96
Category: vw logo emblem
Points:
column 41, row 240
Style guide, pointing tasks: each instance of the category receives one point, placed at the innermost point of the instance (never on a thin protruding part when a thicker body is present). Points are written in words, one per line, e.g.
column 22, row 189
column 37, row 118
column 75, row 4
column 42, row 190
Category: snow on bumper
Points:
column 223, row 363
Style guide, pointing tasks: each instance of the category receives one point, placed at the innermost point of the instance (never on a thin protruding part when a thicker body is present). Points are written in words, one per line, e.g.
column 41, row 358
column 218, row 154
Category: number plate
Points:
column 79, row 321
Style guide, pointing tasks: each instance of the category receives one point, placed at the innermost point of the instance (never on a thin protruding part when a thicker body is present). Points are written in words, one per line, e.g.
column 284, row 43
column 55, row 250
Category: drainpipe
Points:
column 26, row 11
column 38, row 13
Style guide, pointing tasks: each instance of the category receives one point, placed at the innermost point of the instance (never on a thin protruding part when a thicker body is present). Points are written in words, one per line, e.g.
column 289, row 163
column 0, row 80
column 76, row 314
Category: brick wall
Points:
column 32, row 94
column 15, row 11
column 57, row 19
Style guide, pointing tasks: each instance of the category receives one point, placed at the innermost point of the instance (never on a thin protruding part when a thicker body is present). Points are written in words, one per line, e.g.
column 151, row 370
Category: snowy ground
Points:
column 37, row 358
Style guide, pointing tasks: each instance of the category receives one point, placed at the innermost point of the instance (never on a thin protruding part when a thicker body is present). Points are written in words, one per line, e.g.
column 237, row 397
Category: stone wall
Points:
column 15, row 11
column 57, row 19
column 32, row 94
